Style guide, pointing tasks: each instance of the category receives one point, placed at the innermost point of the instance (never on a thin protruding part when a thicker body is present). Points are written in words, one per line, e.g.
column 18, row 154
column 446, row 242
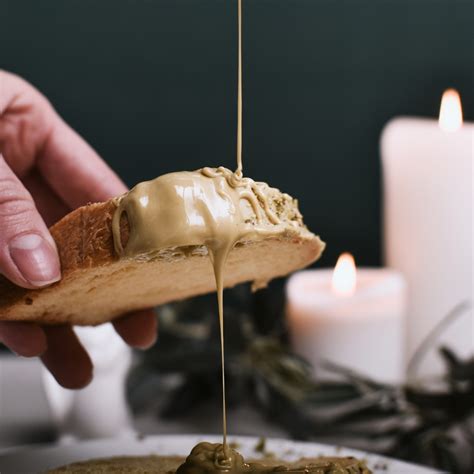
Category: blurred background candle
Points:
column 99, row 410
column 427, row 170
column 354, row 318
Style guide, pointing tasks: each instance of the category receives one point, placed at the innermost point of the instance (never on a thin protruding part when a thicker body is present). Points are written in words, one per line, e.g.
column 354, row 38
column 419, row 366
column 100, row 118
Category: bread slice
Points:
column 98, row 286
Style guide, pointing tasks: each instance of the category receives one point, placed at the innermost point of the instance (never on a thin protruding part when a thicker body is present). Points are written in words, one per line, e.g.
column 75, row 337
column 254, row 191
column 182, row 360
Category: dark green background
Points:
column 151, row 84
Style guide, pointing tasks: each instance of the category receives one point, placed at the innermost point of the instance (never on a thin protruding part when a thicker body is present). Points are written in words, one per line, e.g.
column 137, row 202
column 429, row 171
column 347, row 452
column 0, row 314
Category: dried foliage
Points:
column 416, row 422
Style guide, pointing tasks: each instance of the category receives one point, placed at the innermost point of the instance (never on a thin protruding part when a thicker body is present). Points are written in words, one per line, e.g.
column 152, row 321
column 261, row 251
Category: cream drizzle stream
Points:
column 219, row 258
column 198, row 195
column 239, row 170
column 213, row 208
column 210, row 207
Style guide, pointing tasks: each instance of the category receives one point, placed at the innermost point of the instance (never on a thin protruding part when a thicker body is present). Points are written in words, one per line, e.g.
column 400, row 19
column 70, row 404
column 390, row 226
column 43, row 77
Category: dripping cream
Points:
column 214, row 208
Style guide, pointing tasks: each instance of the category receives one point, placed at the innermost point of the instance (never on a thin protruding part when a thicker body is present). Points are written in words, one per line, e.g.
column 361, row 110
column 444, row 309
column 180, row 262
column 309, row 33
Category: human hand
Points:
column 46, row 170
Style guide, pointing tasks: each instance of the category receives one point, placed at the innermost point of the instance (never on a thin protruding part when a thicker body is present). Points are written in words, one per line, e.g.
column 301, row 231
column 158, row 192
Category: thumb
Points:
column 28, row 254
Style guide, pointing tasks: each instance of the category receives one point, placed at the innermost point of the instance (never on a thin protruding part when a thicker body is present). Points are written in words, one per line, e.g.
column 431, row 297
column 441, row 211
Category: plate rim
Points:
column 141, row 442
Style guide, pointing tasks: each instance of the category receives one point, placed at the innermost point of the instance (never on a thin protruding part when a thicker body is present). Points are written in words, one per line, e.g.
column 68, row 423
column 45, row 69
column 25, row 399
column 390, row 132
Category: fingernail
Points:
column 36, row 259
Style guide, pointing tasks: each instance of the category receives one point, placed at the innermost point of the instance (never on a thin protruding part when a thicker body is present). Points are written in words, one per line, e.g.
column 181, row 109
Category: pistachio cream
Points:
column 208, row 458
column 212, row 207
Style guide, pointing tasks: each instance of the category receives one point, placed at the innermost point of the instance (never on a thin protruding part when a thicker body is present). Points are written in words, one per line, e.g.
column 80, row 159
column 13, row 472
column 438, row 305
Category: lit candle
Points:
column 427, row 168
column 353, row 318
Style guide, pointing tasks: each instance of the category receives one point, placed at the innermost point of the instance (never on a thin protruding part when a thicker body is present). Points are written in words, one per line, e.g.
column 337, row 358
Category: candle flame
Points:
column 450, row 112
column 344, row 277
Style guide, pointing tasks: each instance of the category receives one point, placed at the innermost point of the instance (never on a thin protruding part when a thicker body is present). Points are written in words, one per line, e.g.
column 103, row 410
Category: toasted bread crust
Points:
column 84, row 237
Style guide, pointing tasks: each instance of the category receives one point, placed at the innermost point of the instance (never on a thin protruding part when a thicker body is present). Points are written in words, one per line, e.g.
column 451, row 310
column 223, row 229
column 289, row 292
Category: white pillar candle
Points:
column 355, row 320
column 99, row 410
column 427, row 170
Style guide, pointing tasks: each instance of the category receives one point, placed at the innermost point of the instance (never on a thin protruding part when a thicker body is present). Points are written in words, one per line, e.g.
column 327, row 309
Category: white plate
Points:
column 38, row 459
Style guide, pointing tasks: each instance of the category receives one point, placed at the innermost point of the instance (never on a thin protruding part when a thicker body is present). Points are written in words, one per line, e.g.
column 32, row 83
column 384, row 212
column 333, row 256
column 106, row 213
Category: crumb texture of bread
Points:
column 97, row 286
